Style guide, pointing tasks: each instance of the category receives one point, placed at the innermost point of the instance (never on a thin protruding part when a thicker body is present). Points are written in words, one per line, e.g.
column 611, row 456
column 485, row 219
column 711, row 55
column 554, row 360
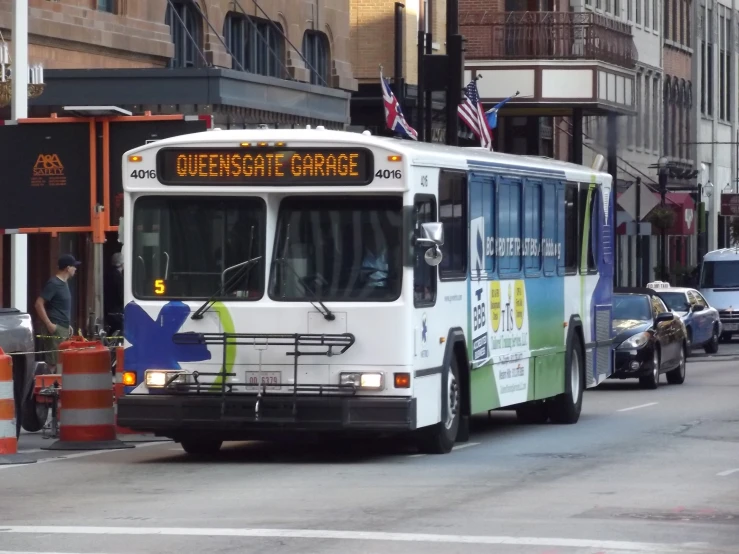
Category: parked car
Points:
column 648, row 338
column 702, row 321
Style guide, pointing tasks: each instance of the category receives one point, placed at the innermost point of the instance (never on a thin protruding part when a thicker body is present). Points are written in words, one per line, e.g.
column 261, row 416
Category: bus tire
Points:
column 201, row 447
column 566, row 407
column 440, row 438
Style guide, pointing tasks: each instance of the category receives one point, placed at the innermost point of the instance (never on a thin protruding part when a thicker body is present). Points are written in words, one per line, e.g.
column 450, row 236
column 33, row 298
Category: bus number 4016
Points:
column 143, row 174
column 388, row 174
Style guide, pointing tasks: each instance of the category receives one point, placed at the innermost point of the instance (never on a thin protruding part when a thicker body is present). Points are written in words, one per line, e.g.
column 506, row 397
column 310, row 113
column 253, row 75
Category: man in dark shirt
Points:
column 54, row 308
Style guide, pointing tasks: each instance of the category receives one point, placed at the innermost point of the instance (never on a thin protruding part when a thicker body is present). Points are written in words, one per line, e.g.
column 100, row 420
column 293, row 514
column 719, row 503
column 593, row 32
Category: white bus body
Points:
column 517, row 315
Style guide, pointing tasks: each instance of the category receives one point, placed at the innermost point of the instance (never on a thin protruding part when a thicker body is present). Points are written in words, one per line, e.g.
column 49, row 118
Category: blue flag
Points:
column 492, row 113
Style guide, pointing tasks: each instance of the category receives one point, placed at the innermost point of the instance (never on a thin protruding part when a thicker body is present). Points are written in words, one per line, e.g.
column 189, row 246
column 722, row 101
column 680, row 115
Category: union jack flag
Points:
column 394, row 117
column 471, row 112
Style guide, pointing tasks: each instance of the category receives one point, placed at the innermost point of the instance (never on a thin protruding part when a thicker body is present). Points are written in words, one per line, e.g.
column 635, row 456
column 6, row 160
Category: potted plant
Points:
column 662, row 217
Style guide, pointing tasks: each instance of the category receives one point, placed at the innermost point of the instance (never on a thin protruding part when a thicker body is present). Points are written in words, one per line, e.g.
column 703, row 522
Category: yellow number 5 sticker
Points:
column 159, row 287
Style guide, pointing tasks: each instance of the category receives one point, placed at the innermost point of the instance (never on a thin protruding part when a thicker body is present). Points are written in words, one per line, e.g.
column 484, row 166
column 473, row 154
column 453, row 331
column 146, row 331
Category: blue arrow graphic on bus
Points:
column 151, row 340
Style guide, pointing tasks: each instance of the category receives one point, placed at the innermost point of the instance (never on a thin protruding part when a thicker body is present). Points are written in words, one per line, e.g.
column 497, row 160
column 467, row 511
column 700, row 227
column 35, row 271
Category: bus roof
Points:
column 421, row 153
column 724, row 254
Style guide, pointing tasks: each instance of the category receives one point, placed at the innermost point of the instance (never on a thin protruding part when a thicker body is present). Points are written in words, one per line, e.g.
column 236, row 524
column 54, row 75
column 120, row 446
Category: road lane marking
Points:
column 326, row 534
column 727, row 472
column 638, row 407
column 79, row 455
column 465, row 445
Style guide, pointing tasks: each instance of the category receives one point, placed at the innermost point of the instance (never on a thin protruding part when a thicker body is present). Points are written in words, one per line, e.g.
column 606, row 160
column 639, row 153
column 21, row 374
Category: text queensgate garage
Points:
column 265, row 166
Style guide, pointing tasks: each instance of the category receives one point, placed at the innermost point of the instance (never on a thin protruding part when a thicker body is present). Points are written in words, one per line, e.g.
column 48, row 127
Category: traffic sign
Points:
column 648, row 201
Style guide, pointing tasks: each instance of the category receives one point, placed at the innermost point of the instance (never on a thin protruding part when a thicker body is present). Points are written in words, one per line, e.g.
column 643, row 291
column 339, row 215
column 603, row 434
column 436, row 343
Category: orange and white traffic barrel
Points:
column 87, row 419
column 8, row 423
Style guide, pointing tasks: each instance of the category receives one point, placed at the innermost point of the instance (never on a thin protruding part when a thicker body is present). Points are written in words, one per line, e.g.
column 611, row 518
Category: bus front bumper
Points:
column 235, row 416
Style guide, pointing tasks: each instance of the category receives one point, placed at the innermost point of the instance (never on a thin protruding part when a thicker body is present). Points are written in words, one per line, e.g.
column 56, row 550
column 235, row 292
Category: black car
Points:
column 649, row 339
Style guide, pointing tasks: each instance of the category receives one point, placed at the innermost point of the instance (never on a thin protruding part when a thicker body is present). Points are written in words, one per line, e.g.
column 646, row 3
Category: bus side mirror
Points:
column 432, row 234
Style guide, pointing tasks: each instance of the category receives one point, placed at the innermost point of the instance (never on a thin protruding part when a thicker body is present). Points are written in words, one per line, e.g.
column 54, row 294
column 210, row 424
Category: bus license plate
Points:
column 731, row 327
column 255, row 380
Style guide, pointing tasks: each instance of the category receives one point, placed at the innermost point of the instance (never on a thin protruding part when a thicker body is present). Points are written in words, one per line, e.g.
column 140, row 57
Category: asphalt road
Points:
column 643, row 471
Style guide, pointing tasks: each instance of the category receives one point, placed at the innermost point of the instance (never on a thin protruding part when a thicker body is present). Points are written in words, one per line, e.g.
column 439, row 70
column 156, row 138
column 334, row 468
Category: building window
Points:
column 256, row 45
column 709, row 65
column 638, row 12
column 655, row 115
column 666, row 30
column 647, row 114
column 629, row 10
column 646, row 13
column 106, row 6
column 316, row 52
column 639, row 135
column 655, row 15
column 453, row 214
column 184, row 24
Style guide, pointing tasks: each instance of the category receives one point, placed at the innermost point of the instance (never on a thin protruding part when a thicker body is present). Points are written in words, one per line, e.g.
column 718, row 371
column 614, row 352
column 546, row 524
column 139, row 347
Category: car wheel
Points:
column 651, row 381
column 712, row 346
column 689, row 336
column 677, row 375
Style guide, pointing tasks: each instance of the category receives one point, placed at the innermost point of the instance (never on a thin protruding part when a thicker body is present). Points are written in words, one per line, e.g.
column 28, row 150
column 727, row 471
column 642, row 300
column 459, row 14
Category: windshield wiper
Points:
column 325, row 312
column 243, row 267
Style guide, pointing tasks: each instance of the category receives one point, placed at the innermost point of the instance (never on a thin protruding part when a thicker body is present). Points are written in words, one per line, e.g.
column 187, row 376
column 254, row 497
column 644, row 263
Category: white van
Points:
column 719, row 284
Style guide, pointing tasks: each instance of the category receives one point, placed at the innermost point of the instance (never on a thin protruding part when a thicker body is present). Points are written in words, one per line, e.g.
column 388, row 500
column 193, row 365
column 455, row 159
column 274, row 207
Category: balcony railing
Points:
column 547, row 36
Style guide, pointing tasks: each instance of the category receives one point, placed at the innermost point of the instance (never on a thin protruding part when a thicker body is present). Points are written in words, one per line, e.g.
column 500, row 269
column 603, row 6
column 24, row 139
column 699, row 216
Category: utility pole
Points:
column 455, row 53
column 421, row 88
column 19, row 110
column 638, row 232
column 663, row 234
column 398, row 69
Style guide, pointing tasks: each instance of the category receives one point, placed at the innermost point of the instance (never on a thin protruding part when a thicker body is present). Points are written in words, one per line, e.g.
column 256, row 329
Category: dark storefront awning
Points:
column 192, row 87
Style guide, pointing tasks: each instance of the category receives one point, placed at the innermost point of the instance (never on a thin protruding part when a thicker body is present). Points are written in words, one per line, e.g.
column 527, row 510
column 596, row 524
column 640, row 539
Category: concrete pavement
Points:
column 643, row 471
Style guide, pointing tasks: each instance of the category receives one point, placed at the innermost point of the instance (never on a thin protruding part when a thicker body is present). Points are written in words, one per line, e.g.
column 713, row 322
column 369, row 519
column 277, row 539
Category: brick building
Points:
column 373, row 44
column 280, row 63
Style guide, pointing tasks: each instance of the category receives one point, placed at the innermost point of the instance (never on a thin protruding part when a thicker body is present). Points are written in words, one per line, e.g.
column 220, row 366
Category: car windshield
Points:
column 676, row 301
column 182, row 245
column 628, row 306
column 717, row 275
column 340, row 248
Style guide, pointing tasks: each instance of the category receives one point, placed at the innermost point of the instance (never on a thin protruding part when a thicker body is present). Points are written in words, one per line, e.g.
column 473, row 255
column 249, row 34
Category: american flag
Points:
column 471, row 112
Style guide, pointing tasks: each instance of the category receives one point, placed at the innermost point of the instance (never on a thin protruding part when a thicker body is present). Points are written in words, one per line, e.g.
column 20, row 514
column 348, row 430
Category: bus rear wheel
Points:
column 440, row 438
column 566, row 407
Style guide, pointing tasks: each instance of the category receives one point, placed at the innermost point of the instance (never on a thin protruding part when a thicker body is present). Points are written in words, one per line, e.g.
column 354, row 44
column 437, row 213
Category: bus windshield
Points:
column 719, row 275
column 339, row 248
column 181, row 246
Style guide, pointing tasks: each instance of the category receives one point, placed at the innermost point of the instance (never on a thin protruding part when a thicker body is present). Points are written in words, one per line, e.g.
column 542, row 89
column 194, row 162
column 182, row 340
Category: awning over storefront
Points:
column 179, row 90
column 683, row 206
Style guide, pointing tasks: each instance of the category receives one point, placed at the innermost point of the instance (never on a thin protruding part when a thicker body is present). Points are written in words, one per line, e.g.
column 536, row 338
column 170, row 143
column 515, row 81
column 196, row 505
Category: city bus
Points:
column 294, row 281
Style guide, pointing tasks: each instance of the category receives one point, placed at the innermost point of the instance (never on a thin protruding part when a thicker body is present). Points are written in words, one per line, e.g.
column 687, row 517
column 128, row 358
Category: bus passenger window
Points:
column 594, row 246
column 424, row 275
column 532, row 226
column 509, row 241
column 571, row 224
column 453, row 214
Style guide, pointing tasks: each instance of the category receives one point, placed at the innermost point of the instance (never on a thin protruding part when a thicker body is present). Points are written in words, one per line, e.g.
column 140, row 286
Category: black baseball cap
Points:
column 66, row 260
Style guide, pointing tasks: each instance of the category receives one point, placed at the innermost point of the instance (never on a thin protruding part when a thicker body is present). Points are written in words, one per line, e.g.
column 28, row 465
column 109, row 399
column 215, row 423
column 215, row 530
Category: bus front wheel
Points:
column 440, row 438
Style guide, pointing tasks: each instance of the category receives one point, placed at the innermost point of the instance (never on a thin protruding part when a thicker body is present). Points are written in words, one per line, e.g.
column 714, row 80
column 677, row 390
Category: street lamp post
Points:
column 662, row 171
column 706, row 189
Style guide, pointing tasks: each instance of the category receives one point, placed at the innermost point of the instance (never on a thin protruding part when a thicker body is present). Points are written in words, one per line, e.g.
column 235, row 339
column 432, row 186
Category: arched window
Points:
column 316, row 52
column 256, row 45
column 185, row 26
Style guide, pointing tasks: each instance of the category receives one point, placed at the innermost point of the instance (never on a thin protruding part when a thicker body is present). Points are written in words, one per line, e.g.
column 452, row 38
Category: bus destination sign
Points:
column 268, row 166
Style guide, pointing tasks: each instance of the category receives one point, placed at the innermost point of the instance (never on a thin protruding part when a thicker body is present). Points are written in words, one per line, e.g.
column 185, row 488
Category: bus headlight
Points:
column 158, row 378
column 366, row 381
